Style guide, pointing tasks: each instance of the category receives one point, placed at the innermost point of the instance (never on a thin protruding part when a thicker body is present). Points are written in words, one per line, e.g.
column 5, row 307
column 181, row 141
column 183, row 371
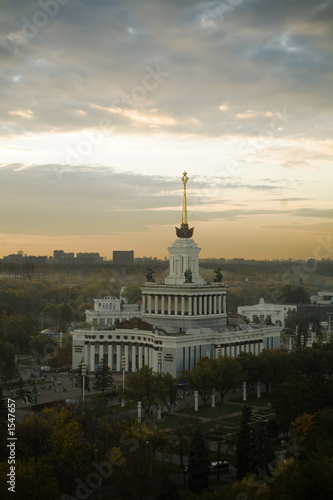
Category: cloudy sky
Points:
column 104, row 104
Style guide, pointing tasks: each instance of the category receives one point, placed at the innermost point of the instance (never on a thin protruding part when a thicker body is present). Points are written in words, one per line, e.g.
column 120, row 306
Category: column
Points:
column 205, row 304
column 189, row 306
column 146, row 356
column 92, row 357
column 140, row 357
column 169, row 304
column 220, row 304
column 126, row 358
column 215, row 305
column 224, row 303
column 200, row 305
column 86, row 353
column 144, row 303
column 156, row 304
column 101, row 352
column 118, row 366
column 149, row 304
column 110, row 356
column 195, row 304
column 183, row 305
column 210, row 304
column 244, row 391
column 176, row 304
column 162, row 305
column 133, row 357
column 196, row 397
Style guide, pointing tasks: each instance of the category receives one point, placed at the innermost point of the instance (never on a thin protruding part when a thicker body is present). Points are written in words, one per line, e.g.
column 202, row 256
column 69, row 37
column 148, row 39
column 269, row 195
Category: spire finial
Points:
column 185, row 178
column 184, row 231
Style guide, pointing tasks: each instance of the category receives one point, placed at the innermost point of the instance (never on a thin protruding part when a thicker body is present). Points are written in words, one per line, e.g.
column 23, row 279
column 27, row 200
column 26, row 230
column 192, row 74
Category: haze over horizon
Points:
column 104, row 104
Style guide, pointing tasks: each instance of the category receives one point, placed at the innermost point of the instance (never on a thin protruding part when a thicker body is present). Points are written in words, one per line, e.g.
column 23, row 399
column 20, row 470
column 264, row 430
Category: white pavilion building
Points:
column 187, row 320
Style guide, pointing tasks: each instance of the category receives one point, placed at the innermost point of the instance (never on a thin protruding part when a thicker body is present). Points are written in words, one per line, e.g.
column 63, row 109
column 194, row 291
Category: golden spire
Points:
column 185, row 178
column 184, row 231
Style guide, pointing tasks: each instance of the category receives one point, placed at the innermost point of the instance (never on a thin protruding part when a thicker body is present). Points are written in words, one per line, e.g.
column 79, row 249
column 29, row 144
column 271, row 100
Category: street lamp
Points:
column 83, row 372
column 123, row 366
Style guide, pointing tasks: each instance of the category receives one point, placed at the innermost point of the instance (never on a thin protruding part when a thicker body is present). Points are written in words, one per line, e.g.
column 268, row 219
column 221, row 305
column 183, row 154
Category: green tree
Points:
column 250, row 367
column 262, row 457
column 198, row 463
column 141, row 386
column 132, row 294
column 103, row 377
column 243, row 444
column 10, row 370
column 201, row 378
column 227, row 374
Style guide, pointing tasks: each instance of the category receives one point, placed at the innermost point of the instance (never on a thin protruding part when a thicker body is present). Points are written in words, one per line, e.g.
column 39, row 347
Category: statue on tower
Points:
column 150, row 275
column 184, row 231
column 218, row 276
column 188, row 276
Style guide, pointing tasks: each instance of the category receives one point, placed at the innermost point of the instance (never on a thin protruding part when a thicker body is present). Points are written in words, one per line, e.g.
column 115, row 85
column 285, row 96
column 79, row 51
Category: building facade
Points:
column 265, row 313
column 187, row 318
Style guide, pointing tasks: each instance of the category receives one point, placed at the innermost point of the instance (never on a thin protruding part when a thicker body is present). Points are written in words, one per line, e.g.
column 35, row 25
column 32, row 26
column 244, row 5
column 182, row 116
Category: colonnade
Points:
column 134, row 356
column 184, row 305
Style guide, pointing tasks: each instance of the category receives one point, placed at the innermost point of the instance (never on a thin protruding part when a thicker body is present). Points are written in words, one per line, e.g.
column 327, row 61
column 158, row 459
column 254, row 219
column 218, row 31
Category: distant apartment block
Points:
column 123, row 257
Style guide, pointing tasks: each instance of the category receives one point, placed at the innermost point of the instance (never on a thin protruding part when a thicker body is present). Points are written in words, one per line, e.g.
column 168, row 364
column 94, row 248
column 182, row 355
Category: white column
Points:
column 162, row 304
column 176, row 304
column 133, row 358
column 156, row 304
column 237, row 350
column 86, row 353
column 200, row 304
column 196, row 397
column 205, row 304
column 169, row 304
column 244, row 391
column 146, row 356
column 220, row 304
column 92, row 357
column 215, row 305
column 118, row 358
column 100, row 353
column 149, row 304
column 195, row 308
column 110, row 356
column 144, row 303
column 224, row 303
column 140, row 357
column 183, row 305
column 126, row 358
column 189, row 306
column 210, row 304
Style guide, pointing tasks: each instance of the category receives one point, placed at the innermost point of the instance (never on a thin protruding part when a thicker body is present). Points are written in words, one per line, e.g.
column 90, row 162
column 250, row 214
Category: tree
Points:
column 201, row 378
column 103, row 377
column 10, row 370
column 262, row 456
column 166, row 389
column 198, row 463
column 243, row 444
column 250, row 367
column 141, row 386
column 227, row 374
column 132, row 294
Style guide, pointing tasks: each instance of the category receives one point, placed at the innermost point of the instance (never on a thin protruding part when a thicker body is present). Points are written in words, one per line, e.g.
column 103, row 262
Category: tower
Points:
column 184, row 302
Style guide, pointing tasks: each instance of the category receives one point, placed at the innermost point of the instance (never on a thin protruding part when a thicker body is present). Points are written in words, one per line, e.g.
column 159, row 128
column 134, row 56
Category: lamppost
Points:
column 123, row 366
column 84, row 372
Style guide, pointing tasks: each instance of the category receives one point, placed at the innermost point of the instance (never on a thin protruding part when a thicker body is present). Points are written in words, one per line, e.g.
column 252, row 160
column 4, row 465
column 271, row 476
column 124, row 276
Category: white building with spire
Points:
column 185, row 317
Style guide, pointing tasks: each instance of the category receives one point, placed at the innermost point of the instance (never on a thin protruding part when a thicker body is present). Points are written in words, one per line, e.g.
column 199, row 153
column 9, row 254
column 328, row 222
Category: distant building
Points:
column 123, row 257
column 264, row 313
column 322, row 298
column 108, row 310
column 88, row 258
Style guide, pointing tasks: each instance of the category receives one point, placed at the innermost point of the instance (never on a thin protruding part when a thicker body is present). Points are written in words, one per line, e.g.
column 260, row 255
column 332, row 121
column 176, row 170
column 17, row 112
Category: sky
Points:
column 105, row 103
